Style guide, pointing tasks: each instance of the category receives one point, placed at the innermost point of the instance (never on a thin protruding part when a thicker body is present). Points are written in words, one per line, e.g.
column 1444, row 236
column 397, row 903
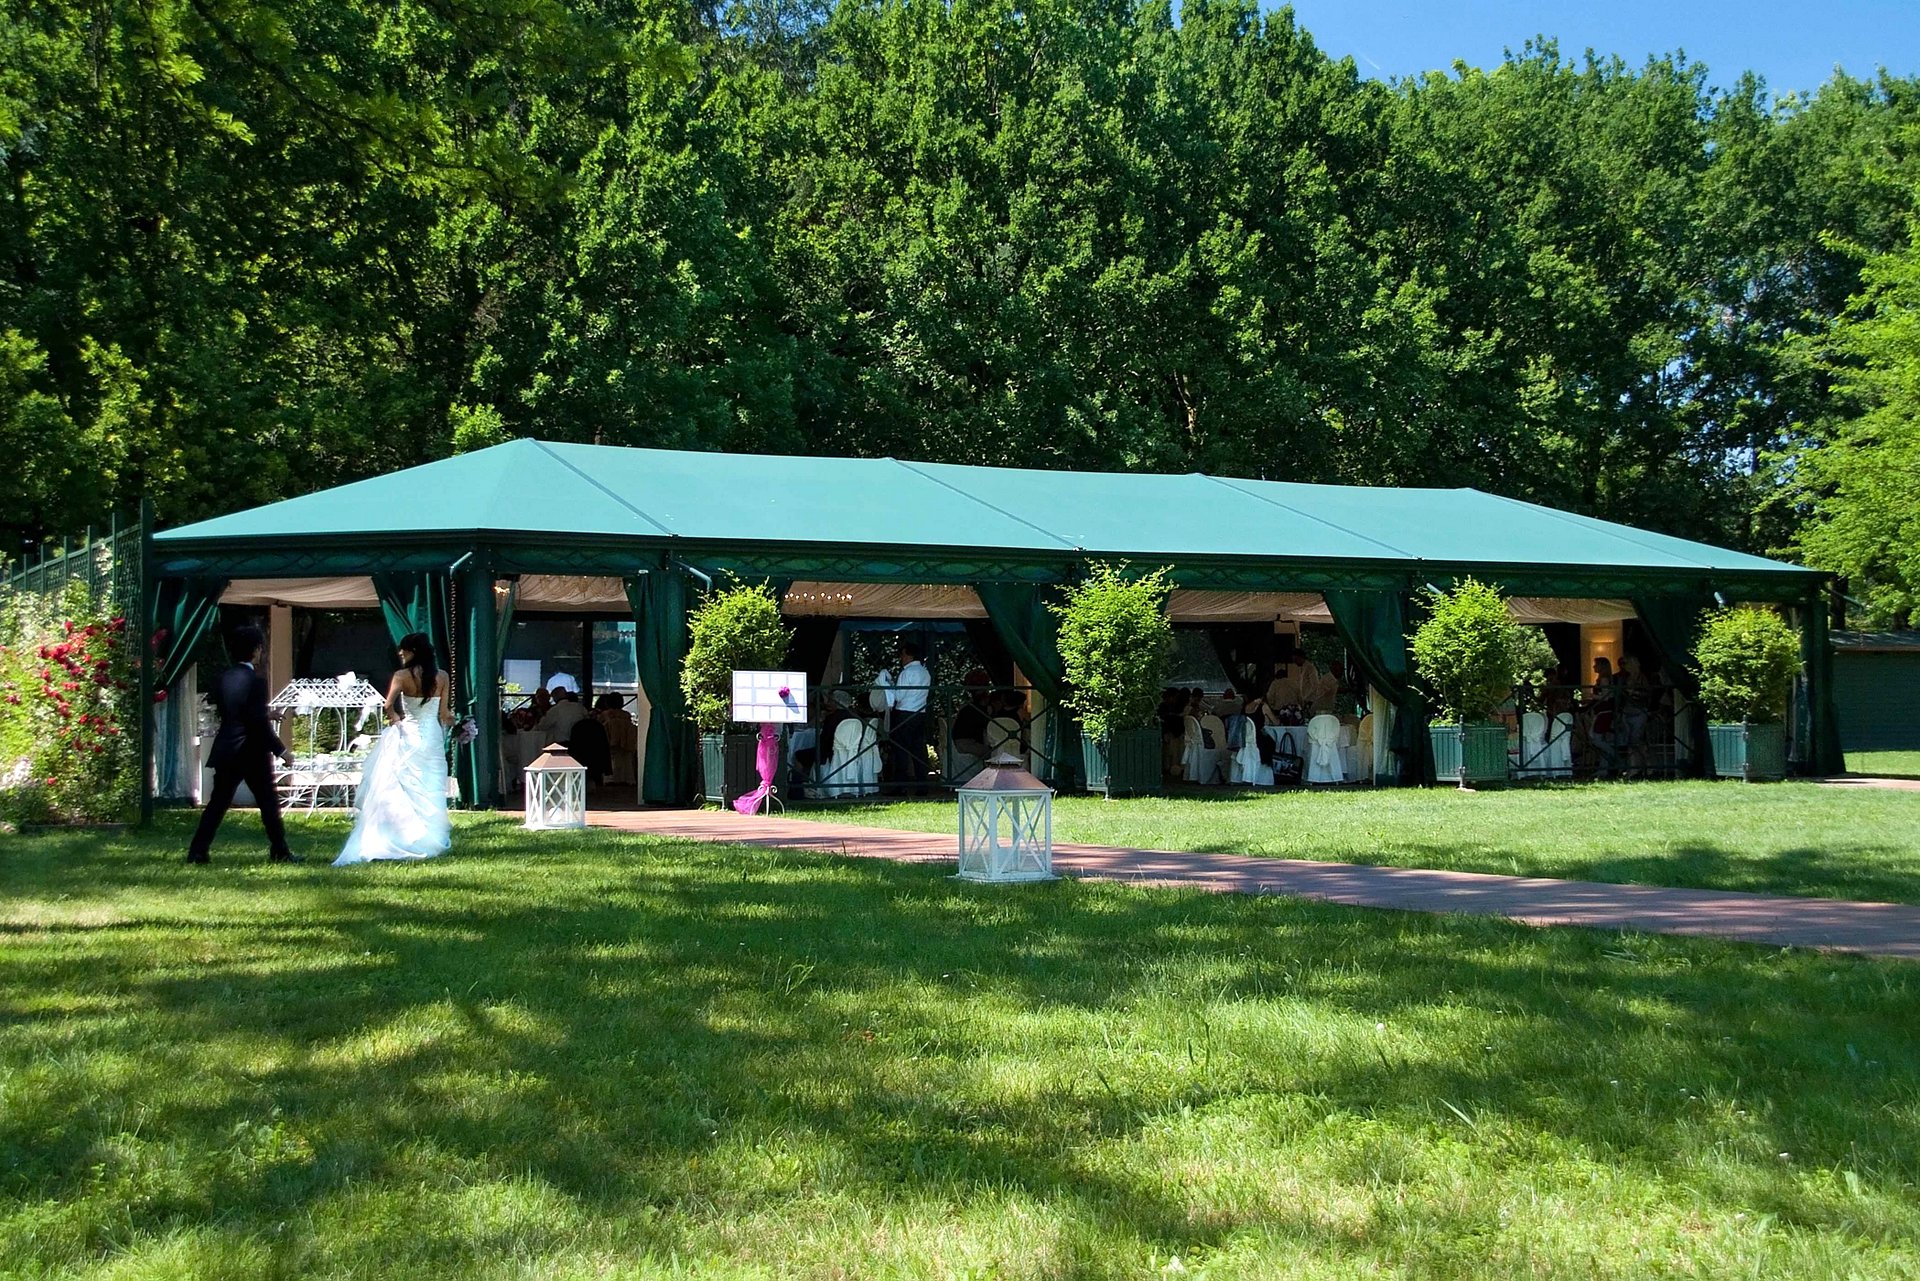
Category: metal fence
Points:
column 107, row 560
column 1618, row 731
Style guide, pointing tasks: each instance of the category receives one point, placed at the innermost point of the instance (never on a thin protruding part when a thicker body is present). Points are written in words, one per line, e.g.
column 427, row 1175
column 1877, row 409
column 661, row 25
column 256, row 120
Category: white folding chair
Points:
column 1323, row 750
column 1245, row 766
column 846, row 772
column 1532, row 761
column 1203, row 764
column 1560, row 746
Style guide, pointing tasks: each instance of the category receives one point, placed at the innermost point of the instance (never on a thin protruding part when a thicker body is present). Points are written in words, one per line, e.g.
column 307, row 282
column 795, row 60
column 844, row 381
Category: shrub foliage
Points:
column 1746, row 658
column 1471, row 655
column 1115, row 639
column 734, row 628
column 69, row 743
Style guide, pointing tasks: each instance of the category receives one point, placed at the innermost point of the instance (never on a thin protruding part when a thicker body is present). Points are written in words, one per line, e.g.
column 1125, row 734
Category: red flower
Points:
column 118, row 624
column 52, row 781
column 159, row 695
column 69, row 627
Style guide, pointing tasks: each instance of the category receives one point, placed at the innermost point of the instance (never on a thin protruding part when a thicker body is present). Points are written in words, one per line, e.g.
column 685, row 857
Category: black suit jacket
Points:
column 246, row 736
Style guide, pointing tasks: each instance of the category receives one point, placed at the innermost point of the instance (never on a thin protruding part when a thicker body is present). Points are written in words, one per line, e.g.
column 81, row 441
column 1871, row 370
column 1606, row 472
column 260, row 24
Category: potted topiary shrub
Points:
column 1471, row 655
column 1115, row 640
column 734, row 628
column 1746, row 658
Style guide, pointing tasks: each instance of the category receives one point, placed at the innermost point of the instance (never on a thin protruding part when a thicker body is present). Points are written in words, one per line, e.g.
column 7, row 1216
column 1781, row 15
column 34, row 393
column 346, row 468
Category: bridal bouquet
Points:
column 465, row 731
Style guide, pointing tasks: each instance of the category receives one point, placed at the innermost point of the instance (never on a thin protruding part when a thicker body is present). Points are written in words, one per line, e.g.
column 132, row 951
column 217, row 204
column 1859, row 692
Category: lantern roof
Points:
column 555, row 757
column 1005, row 774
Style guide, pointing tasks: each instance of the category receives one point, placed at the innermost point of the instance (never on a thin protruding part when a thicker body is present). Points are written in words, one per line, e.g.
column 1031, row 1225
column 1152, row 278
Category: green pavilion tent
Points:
column 442, row 544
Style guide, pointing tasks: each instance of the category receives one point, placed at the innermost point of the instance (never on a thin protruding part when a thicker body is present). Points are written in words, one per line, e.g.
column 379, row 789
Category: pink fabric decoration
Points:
column 767, row 761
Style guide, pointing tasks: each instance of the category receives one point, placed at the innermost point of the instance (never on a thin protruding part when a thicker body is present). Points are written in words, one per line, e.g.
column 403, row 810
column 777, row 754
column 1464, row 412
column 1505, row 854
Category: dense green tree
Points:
column 254, row 247
column 1864, row 484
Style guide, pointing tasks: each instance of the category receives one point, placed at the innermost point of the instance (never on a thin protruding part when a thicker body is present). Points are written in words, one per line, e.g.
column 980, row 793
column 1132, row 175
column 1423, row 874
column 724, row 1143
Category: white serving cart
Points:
column 326, row 767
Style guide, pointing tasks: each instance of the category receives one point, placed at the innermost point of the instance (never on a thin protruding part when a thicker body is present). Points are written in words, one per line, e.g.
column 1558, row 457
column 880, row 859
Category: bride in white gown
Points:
column 403, row 788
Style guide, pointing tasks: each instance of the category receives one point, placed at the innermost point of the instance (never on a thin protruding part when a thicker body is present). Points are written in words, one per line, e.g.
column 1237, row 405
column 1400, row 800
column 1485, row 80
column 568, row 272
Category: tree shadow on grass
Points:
column 614, row 1018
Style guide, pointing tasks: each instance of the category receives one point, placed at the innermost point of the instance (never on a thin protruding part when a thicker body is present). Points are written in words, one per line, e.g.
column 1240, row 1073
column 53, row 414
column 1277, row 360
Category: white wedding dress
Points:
column 403, row 790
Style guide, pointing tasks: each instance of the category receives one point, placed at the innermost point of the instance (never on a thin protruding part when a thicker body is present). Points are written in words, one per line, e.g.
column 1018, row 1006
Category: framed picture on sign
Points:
column 770, row 698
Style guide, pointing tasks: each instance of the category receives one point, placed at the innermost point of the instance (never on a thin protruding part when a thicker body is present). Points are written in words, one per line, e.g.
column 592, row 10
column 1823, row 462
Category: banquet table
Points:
column 1350, row 764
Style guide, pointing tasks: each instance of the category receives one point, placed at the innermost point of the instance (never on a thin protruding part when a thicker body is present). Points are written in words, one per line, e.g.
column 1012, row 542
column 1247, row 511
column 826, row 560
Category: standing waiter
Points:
column 243, row 750
column 907, row 725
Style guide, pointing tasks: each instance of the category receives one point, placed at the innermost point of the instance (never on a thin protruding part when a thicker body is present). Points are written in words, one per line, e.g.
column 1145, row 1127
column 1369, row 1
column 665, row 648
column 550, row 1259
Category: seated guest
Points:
column 970, row 723
column 623, row 736
column 1296, row 684
column 587, row 743
column 840, row 707
column 611, row 711
column 539, row 703
column 566, row 712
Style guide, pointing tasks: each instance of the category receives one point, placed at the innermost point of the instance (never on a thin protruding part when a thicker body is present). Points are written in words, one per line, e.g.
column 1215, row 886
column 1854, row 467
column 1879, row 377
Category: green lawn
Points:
column 1781, row 838
column 603, row 1055
column 1884, row 764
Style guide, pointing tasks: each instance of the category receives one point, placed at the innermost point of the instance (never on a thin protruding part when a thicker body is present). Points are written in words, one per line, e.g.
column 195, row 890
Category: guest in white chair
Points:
column 970, row 723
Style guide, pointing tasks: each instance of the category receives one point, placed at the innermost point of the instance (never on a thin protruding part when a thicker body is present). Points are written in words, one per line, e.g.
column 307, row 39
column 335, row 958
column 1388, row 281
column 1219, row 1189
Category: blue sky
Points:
column 1795, row 44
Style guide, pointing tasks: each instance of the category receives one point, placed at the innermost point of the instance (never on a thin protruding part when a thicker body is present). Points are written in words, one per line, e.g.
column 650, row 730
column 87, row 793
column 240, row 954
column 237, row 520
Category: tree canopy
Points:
column 258, row 247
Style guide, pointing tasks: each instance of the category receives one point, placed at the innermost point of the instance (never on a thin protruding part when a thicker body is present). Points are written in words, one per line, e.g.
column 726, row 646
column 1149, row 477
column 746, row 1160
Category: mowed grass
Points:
column 1779, row 838
column 604, row 1055
column 1884, row 764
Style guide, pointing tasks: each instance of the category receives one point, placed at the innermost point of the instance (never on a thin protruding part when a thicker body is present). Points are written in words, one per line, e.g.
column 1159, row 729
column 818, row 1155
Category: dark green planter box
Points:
column 1469, row 754
column 1757, row 753
column 727, row 767
column 1126, row 765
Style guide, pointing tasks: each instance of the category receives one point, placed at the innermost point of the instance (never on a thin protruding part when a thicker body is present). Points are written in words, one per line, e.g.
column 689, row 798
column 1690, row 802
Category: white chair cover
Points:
column 1533, row 761
column 1349, row 751
column 1200, row 763
column 1245, row 766
column 1323, row 750
column 854, row 769
column 1003, row 732
column 1560, row 746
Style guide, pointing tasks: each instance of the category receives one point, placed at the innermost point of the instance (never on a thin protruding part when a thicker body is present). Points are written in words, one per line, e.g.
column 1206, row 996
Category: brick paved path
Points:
column 1880, row 929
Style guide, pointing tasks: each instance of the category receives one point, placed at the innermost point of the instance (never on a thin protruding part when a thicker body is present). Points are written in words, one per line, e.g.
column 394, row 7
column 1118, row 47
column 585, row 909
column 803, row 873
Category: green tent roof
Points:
column 666, row 498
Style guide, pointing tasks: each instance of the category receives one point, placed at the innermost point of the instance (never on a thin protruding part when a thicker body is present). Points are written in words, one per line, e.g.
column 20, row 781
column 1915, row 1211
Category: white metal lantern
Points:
column 1006, row 824
column 556, row 791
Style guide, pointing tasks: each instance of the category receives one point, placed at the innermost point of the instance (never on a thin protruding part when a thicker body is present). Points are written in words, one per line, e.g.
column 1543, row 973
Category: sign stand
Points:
column 769, row 699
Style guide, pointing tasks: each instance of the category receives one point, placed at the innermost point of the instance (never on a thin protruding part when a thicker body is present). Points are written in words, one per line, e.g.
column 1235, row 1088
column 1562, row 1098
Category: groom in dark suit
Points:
column 243, row 750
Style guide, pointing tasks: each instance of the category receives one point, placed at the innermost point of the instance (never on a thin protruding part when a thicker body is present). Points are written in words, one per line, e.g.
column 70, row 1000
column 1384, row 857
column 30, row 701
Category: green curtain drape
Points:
column 1031, row 633
column 475, row 664
column 1373, row 627
column 1673, row 624
column 1820, row 729
column 416, row 602
column 506, row 601
column 184, row 611
column 661, row 600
